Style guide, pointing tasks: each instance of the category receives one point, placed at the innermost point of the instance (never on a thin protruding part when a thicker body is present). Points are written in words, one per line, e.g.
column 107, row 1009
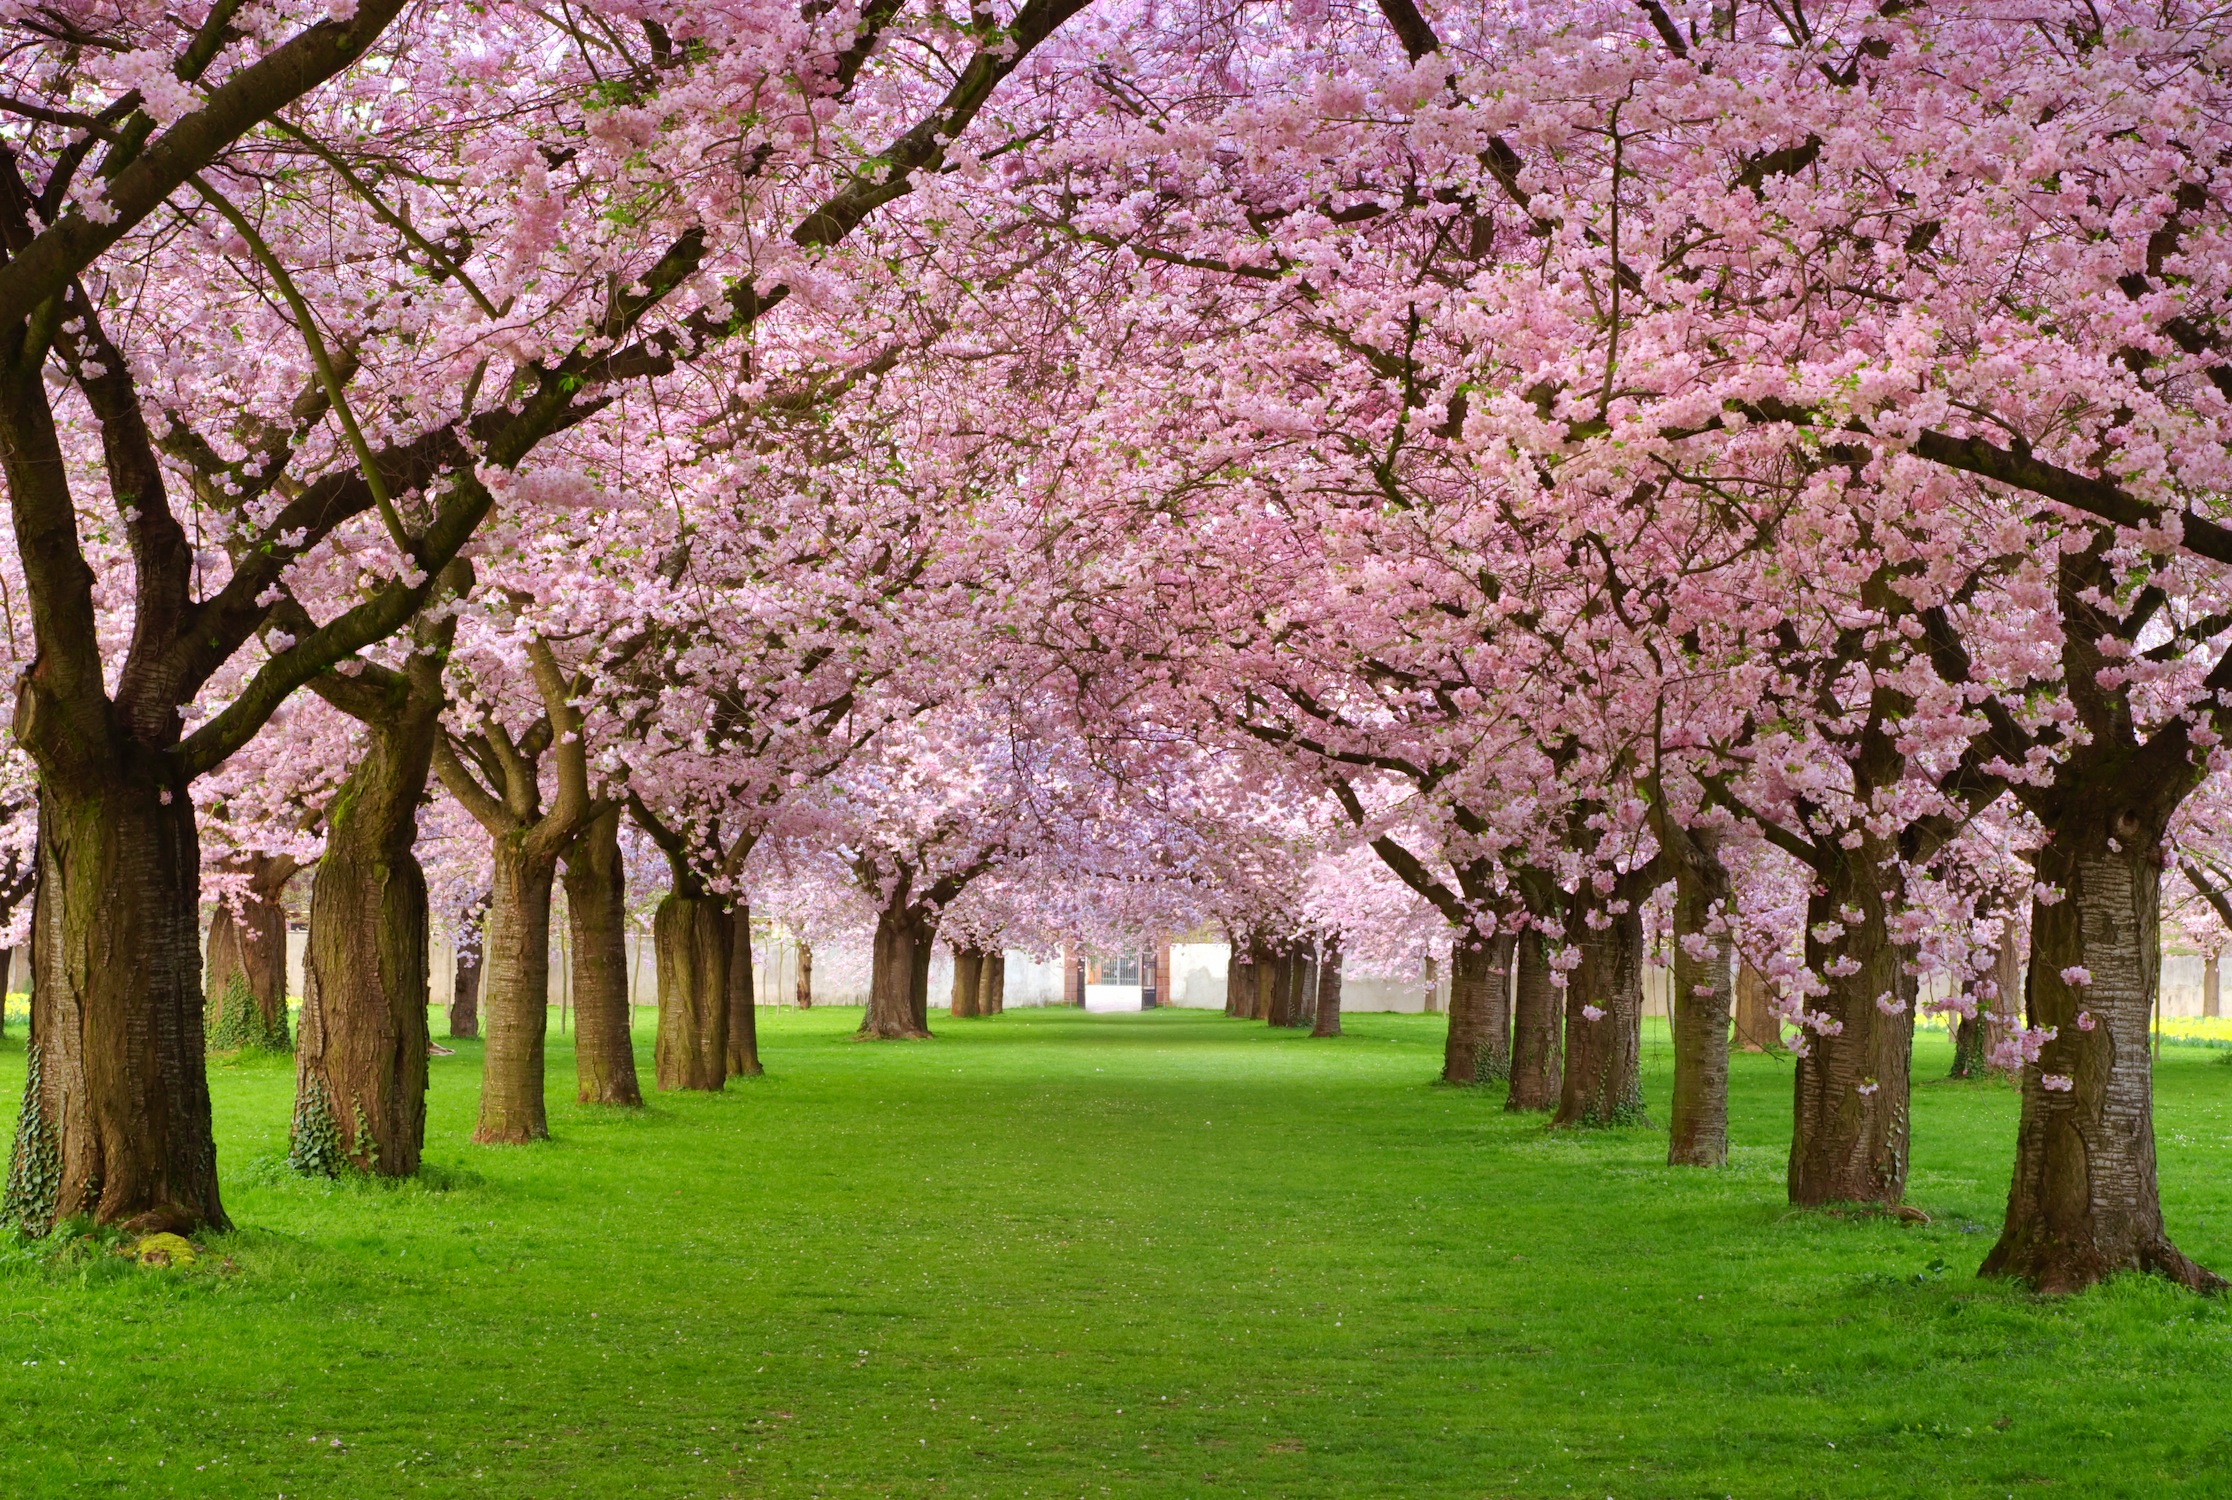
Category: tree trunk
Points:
column 1536, row 1072
column 1329, row 990
column 691, row 933
column 516, row 950
column 743, row 1002
column 1849, row 1128
column 1433, row 987
column 115, row 1119
column 1968, row 1043
column 1699, row 999
column 360, row 1072
column 891, row 1014
column 1603, row 1082
column 992, row 982
column 918, row 975
column 1237, row 975
column 1278, row 997
column 1757, row 1027
column 2084, row 1203
column 805, row 975
column 1302, row 1010
column 245, row 975
column 464, row 1010
column 1699, row 1018
column 2211, row 989
column 597, row 921
column 1478, row 1046
column 968, row 974
column 2005, row 1016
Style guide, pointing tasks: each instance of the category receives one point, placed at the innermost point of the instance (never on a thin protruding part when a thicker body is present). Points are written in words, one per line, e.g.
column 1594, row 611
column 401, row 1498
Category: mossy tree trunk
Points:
column 1849, row 1131
column 1603, row 1083
column 1537, row 1069
column 692, row 932
column 2084, row 1203
column 1477, row 1048
column 597, row 920
column 116, row 1121
column 244, row 978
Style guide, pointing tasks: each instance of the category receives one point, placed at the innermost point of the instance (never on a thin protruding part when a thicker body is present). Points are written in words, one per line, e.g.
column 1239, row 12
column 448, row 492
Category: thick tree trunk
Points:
column 244, row 980
column 805, row 975
column 1329, row 991
column 597, row 921
column 360, row 1074
column 1968, row 1043
column 891, row 1014
column 115, row 1119
column 1302, row 1011
column 1478, row 1047
column 992, row 982
column 1278, row 997
column 1603, row 1082
column 516, row 951
column 968, row 976
column 918, row 976
column 1699, row 1000
column 2084, row 1203
column 1757, row 1027
column 743, row 1003
column 465, row 983
column 692, row 933
column 1699, row 1018
column 1537, row 1074
column 1849, row 1128
column 1238, row 978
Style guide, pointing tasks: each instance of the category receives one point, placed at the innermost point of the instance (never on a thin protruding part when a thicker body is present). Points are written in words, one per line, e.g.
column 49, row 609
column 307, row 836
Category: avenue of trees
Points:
column 1532, row 487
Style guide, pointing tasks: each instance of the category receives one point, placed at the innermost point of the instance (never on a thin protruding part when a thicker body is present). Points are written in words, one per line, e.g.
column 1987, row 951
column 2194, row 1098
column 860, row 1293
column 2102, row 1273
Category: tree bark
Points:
column 116, row 1120
column 743, row 1003
column 891, row 1014
column 1478, row 1046
column 918, row 974
column 2211, row 988
column 597, row 920
column 360, row 1073
column 1537, row 1073
column 992, row 982
column 805, row 975
column 1757, row 1027
column 1237, row 975
column 516, row 950
column 244, row 980
column 465, row 983
column 1699, row 1001
column 1849, row 1128
column 1968, row 1043
column 2084, row 1203
column 1302, row 1010
column 968, row 975
column 1329, row 990
column 692, row 932
column 1603, row 1082
column 1699, row 1017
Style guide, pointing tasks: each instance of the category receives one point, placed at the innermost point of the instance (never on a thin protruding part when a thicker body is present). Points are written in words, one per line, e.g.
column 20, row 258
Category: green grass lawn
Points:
column 1057, row 1255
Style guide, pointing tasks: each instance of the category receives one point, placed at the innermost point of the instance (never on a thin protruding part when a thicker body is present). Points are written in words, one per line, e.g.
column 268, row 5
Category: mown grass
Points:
column 1057, row 1255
